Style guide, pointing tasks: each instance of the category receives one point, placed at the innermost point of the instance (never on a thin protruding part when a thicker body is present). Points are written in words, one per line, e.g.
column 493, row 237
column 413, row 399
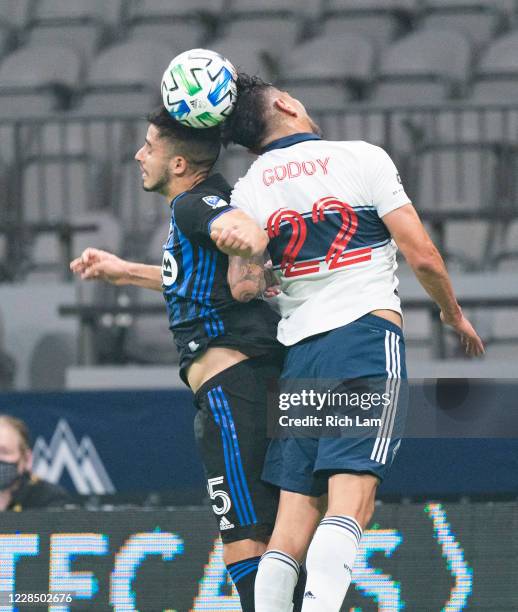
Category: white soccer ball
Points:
column 199, row 88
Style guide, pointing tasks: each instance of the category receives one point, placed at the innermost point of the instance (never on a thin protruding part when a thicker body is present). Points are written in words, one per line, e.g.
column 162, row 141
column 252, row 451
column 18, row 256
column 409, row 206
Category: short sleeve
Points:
column 242, row 199
column 194, row 216
column 384, row 182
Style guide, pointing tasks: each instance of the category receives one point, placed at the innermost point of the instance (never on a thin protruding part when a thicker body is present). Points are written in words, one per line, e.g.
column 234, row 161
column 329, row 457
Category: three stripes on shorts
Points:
column 393, row 369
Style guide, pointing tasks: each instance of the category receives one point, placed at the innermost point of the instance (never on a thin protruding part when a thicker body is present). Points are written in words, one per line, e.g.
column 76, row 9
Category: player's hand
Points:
column 469, row 338
column 95, row 264
column 236, row 241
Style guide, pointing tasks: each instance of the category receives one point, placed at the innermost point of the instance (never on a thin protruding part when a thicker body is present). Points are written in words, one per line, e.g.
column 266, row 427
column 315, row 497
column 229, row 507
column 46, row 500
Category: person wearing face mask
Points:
column 19, row 488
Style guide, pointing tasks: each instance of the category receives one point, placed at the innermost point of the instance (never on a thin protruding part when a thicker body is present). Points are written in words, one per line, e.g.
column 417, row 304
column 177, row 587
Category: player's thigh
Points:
column 242, row 549
column 230, row 431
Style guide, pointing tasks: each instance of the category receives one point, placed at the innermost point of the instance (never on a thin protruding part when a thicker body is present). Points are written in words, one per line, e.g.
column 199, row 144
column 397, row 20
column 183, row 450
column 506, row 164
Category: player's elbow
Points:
column 425, row 260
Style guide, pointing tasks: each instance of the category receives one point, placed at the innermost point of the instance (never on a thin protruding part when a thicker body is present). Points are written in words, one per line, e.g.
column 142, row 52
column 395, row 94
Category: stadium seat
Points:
column 436, row 55
column 350, row 59
column 38, row 79
column 16, row 13
column 6, row 38
column 500, row 58
column 460, row 176
column 148, row 339
column 321, row 97
column 138, row 211
column 125, row 78
column 248, row 55
column 76, row 23
column 380, row 20
column 131, row 65
column 280, row 33
column 52, row 355
column 57, row 188
column 184, row 24
column 480, row 21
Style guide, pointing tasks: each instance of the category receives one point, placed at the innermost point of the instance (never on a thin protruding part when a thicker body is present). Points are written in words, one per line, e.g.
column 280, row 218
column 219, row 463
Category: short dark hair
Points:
column 247, row 125
column 199, row 146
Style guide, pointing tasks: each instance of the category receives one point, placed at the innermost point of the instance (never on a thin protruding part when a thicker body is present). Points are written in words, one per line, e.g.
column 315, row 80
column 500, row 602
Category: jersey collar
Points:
column 214, row 181
column 288, row 141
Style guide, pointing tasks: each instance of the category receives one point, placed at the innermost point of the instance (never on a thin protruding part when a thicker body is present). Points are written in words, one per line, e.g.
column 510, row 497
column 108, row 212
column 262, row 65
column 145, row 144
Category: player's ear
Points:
column 285, row 106
column 178, row 165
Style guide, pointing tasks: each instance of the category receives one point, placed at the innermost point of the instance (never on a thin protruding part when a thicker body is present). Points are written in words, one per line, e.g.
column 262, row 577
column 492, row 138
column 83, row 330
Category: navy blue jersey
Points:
column 201, row 309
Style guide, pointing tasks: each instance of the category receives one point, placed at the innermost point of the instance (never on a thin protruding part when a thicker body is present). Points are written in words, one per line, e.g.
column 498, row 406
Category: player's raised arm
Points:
column 235, row 233
column 426, row 262
column 96, row 264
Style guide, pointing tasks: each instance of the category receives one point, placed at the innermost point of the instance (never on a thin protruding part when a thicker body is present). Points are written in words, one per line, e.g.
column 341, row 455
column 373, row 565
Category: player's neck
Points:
column 183, row 184
column 287, row 129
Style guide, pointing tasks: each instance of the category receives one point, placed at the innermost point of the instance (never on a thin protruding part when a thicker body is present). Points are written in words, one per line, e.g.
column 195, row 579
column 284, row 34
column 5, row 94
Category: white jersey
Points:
column 321, row 203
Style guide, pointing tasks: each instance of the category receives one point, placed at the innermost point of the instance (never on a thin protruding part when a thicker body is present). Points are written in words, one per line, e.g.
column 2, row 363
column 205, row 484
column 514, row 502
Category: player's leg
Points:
column 279, row 573
column 333, row 549
column 360, row 458
column 230, row 429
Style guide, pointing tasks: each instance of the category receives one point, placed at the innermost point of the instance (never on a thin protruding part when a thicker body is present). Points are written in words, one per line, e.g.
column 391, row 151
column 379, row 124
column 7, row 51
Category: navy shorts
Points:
column 230, row 432
column 369, row 352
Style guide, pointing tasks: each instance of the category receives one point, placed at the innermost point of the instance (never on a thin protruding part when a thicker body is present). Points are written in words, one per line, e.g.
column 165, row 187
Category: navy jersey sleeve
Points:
column 194, row 215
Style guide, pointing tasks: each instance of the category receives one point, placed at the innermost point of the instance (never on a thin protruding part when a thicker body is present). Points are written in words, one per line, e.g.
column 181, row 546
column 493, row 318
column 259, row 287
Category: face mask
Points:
column 8, row 474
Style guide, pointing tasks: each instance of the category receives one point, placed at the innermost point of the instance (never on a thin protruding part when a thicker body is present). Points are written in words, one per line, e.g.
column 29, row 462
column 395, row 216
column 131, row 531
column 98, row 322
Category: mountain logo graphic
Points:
column 64, row 454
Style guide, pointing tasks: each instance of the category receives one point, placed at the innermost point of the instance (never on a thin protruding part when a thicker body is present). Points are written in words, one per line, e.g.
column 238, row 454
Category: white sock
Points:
column 276, row 578
column 329, row 563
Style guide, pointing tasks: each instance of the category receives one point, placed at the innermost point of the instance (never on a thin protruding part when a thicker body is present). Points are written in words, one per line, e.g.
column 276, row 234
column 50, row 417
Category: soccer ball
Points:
column 199, row 88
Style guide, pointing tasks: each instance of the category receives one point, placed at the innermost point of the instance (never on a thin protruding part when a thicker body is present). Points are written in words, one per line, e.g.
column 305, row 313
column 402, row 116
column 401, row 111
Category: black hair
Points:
column 247, row 125
column 199, row 146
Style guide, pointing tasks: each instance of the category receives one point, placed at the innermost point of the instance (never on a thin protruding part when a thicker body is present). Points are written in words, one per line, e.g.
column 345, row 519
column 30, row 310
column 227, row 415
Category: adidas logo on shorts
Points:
column 309, row 595
column 225, row 524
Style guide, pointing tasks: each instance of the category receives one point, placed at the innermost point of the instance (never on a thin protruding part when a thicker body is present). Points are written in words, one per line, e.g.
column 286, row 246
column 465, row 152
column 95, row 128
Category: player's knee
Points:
column 242, row 549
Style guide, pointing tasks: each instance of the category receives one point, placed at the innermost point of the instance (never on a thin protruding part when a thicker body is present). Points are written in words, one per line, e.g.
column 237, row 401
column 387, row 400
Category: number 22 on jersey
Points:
column 292, row 261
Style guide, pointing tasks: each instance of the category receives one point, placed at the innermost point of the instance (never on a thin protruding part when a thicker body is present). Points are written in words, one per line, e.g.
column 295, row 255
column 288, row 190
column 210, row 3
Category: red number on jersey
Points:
column 297, row 239
column 336, row 256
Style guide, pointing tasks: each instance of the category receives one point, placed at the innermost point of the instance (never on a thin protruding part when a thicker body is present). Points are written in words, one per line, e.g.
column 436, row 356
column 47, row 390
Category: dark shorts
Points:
column 367, row 353
column 230, row 431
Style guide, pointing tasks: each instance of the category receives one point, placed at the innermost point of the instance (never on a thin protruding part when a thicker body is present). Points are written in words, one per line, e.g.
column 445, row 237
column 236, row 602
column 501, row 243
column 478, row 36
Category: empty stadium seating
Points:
column 435, row 82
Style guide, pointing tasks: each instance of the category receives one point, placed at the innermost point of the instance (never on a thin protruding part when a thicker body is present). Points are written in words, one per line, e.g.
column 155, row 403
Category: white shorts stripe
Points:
column 393, row 369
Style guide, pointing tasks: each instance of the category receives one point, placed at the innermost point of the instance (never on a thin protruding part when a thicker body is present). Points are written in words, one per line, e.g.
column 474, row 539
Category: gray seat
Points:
column 77, row 23
column 183, row 24
column 148, row 339
column 441, row 55
column 408, row 92
column 500, row 58
column 382, row 21
column 163, row 9
column 319, row 97
column 479, row 21
column 16, row 13
column 180, row 34
column 57, row 188
column 253, row 56
column 52, row 355
column 48, row 74
column 138, row 211
column 461, row 177
column 136, row 64
column 349, row 58
column 279, row 32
